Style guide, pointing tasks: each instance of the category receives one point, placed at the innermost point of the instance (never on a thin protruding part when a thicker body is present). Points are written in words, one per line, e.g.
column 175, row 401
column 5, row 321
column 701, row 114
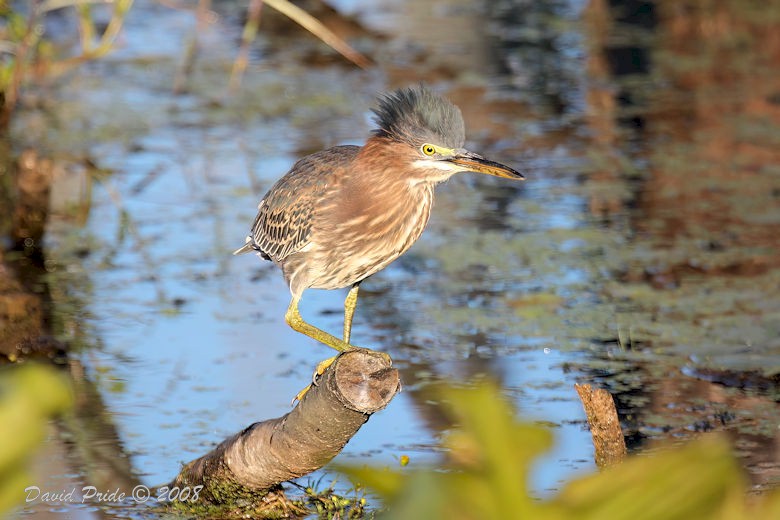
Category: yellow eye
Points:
column 428, row 149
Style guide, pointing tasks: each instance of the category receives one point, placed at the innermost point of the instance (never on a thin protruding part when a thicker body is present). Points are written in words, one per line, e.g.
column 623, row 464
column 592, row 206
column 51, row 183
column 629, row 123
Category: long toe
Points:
column 322, row 366
column 300, row 395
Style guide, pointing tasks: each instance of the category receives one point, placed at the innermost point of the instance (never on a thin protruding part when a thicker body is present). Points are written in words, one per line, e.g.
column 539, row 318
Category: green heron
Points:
column 342, row 214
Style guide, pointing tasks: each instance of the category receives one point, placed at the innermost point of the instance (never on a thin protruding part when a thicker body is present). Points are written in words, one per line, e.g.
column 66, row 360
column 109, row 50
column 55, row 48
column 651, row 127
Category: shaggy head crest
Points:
column 416, row 115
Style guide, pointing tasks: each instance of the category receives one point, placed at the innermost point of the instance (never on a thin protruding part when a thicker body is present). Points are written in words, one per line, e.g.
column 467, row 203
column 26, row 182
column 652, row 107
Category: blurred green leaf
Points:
column 29, row 396
column 700, row 480
column 486, row 472
column 490, row 454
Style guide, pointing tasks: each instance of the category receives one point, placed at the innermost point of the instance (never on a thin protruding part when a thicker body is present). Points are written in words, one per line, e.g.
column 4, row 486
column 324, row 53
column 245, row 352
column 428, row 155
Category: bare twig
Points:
column 89, row 50
column 22, row 51
column 300, row 17
column 315, row 27
column 247, row 37
column 203, row 14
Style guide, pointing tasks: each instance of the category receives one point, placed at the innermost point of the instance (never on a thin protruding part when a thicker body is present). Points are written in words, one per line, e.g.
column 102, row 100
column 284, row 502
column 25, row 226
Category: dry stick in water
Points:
column 604, row 425
column 267, row 453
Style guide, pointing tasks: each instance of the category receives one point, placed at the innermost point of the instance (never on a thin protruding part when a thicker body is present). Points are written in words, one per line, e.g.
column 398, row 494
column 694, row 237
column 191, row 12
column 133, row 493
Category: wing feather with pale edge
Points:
column 284, row 217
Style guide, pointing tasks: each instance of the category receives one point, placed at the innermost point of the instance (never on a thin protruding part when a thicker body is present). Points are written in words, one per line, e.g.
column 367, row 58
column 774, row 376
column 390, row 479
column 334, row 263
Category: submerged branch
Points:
column 604, row 425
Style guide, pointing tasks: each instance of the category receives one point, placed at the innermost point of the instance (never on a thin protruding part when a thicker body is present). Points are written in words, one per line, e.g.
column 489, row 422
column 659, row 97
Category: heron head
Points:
column 433, row 132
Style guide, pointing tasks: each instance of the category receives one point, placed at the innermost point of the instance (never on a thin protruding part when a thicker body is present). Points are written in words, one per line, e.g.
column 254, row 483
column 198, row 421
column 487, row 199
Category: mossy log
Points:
column 262, row 456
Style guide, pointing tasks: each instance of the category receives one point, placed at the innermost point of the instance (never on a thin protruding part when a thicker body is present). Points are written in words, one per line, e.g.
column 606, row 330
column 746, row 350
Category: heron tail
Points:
column 245, row 248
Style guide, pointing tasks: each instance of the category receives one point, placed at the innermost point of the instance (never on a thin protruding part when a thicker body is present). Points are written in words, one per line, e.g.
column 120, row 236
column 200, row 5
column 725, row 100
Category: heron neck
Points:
column 379, row 186
column 390, row 162
column 377, row 203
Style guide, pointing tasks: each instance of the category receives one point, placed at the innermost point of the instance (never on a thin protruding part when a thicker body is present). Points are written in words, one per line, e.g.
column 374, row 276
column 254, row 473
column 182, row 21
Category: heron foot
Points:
column 325, row 364
column 322, row 366
column 300, row 394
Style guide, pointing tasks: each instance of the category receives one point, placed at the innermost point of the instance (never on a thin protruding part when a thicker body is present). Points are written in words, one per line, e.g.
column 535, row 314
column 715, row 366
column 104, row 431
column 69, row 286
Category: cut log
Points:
column 265, row 454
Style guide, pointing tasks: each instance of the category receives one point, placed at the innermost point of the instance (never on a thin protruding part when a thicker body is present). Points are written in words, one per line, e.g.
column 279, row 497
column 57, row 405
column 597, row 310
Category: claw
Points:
column 322, row 366
column 299, row 395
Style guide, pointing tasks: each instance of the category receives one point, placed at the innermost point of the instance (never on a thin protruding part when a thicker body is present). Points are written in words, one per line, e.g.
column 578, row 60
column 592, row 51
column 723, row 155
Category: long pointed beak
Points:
column 476, row 163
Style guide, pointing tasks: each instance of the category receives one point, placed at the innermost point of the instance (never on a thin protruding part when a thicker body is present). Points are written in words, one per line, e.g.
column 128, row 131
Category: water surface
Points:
column 640, row 255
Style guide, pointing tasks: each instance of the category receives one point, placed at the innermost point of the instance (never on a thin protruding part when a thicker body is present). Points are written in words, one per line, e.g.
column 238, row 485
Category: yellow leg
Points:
column 349, row 310
column 294, row 320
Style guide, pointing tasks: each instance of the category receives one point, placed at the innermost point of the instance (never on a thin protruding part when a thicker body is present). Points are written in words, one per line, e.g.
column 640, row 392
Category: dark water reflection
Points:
column 641, row 254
